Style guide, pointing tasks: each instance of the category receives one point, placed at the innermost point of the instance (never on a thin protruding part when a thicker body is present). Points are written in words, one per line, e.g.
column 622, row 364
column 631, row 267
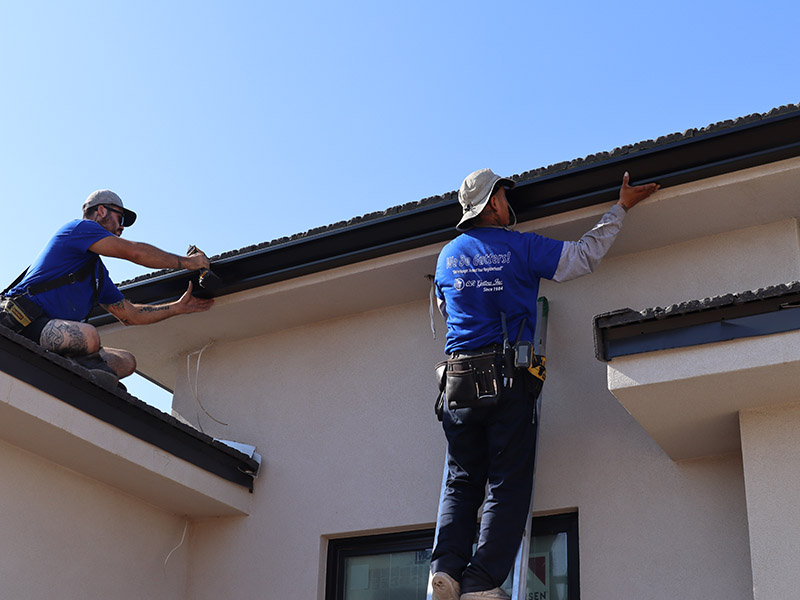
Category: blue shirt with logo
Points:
column 65, row 253
column 487, row 271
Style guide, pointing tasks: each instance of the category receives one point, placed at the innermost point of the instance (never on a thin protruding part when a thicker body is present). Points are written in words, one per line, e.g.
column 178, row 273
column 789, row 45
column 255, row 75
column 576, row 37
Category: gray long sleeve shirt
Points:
column 582, row 257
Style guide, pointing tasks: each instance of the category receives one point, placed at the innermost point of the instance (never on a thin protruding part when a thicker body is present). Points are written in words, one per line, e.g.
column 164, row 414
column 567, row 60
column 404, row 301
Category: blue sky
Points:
column 226, row 124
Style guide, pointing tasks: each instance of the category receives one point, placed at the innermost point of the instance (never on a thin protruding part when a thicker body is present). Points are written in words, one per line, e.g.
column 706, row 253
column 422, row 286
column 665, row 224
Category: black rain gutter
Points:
column 729, row 149
column 58, row 377
column 770, row 310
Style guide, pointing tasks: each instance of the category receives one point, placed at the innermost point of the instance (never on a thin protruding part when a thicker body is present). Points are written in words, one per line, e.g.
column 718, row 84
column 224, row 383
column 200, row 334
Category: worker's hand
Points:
column 191, row 304
column 195, row 262
column 631, row 196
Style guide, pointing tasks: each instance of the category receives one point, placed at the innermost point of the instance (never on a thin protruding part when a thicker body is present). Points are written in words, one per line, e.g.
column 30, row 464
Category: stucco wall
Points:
column 771, row 454
column 341, row 412
column 70, row 537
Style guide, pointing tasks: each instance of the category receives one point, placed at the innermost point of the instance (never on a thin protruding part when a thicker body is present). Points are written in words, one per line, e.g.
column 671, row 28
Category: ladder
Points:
column 520, row 569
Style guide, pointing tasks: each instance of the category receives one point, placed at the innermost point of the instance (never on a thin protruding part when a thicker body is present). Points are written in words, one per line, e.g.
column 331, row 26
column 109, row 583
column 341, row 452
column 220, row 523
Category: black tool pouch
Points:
column 440, row 371
column 472, row 381
column 17, row 312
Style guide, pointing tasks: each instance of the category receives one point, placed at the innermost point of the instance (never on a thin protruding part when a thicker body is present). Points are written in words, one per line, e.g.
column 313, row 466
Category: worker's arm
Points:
column 144, row 314
column 147, row 255
column 582, row 257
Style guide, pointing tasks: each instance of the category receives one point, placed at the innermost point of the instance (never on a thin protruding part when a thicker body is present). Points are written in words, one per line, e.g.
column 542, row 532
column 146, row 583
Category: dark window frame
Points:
column 340, row 549
column 564, row 523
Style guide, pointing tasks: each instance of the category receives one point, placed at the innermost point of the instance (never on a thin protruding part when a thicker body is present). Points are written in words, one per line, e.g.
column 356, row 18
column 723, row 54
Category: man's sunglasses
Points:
column 119, row 212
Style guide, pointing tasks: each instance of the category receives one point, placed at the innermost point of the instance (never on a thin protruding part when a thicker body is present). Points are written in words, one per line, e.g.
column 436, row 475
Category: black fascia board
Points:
column 57, row 377
column 763, row 312
column 690, row 158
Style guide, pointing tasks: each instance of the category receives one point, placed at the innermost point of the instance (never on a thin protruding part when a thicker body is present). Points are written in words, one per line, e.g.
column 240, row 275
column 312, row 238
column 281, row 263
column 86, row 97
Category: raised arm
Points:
column 582, row 257
column 147, row 255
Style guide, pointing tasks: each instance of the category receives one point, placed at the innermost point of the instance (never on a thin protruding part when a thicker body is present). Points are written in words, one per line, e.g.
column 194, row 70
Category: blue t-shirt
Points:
column 65, row 253
column 489, row 270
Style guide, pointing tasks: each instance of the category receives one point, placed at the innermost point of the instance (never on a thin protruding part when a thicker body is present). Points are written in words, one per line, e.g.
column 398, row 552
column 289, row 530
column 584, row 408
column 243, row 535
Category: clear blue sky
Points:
column 226, row 124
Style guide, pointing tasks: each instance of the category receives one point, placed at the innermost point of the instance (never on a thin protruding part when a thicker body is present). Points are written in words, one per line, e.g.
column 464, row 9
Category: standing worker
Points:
column 487, row 283
column 68, row 278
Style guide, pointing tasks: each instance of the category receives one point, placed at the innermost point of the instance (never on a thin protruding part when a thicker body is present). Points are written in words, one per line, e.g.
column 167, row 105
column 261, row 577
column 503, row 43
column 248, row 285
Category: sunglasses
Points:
column 119, row 212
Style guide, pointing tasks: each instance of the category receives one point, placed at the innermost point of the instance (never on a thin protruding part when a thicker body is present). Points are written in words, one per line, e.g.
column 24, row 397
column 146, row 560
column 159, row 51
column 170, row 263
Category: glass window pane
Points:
column 547, row 568
column 389, row 576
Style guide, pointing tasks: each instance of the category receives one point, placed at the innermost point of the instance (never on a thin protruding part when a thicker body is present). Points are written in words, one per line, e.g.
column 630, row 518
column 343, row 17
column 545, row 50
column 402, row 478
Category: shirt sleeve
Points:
column 582, row 257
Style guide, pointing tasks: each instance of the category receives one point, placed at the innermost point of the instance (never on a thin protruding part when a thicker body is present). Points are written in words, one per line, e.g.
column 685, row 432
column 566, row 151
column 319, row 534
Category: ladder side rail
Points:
column 520, row 579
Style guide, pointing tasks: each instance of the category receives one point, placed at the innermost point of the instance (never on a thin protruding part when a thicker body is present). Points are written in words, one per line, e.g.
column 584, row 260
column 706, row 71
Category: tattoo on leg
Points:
column 64, row 337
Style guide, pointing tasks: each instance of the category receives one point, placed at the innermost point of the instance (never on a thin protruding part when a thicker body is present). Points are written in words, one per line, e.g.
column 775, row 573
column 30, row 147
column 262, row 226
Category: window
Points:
column 396, row 566
column 553, row 570
column 380, row 567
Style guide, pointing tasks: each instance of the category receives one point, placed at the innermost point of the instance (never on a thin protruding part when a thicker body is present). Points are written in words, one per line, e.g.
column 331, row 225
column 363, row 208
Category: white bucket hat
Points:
column 475, row 192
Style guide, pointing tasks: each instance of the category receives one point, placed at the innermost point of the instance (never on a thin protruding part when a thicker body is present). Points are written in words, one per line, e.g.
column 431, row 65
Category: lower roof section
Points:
column 51, row 407
column 764, row 311
column 686, row 371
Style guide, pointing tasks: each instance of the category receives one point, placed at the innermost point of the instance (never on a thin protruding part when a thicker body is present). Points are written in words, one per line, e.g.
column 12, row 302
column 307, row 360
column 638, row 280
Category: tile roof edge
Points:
column 596, row 158
column 627, row 316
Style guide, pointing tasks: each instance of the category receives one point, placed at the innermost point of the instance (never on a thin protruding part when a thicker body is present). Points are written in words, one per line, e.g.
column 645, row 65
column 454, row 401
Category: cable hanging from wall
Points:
column 194, row 389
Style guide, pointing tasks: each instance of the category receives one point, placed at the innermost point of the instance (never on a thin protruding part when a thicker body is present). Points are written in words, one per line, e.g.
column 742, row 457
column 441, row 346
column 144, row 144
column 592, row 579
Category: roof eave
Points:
column 728, row 149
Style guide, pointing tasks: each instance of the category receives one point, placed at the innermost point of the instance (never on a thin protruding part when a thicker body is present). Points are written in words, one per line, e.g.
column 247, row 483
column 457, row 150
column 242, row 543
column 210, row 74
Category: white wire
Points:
column 183, row 537
column 432, row 299
column 195, row 389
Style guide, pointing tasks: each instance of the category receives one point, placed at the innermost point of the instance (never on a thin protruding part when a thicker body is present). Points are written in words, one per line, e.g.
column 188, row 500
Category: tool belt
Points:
column 17, row 312
column 469, row 381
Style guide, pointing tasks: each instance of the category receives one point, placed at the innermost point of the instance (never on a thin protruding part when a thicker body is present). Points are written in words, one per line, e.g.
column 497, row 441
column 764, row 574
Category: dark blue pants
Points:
column 496, row 445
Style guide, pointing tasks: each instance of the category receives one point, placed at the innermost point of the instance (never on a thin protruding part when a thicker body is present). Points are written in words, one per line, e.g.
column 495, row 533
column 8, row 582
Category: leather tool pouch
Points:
column 18, row 312
column 472, row 381
column 440, row 371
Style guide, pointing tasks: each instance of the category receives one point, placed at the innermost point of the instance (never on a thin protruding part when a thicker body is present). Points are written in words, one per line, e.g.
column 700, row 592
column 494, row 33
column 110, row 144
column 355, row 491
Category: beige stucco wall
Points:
column 771, row 456
column 341, row 412
column 70, row 537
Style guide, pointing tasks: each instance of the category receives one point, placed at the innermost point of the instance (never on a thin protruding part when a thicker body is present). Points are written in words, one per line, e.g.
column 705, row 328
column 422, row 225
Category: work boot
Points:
column 104, row 379
column 493, row 594
column 102, row 374
column 445, row 587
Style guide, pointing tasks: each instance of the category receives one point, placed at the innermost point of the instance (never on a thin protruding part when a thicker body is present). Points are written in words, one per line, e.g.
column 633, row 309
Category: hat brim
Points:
column 470, row 214
column 130, row 217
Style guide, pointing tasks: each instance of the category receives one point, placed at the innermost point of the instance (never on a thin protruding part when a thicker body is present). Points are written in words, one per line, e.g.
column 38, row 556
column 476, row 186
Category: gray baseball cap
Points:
column 108, row 197
column 475, row 192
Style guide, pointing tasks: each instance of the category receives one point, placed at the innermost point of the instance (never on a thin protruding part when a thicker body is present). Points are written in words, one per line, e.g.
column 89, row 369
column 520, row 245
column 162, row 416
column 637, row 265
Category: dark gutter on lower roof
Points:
column 60, row 378
column 728, row 149
column 775, row 309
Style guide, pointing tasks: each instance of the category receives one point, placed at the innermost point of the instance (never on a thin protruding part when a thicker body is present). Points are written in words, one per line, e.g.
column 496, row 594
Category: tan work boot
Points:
column 493, row 594
column 445, row 587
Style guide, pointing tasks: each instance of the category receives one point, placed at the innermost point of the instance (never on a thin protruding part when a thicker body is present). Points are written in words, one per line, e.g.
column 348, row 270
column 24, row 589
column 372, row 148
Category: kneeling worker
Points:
column 68, row 278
